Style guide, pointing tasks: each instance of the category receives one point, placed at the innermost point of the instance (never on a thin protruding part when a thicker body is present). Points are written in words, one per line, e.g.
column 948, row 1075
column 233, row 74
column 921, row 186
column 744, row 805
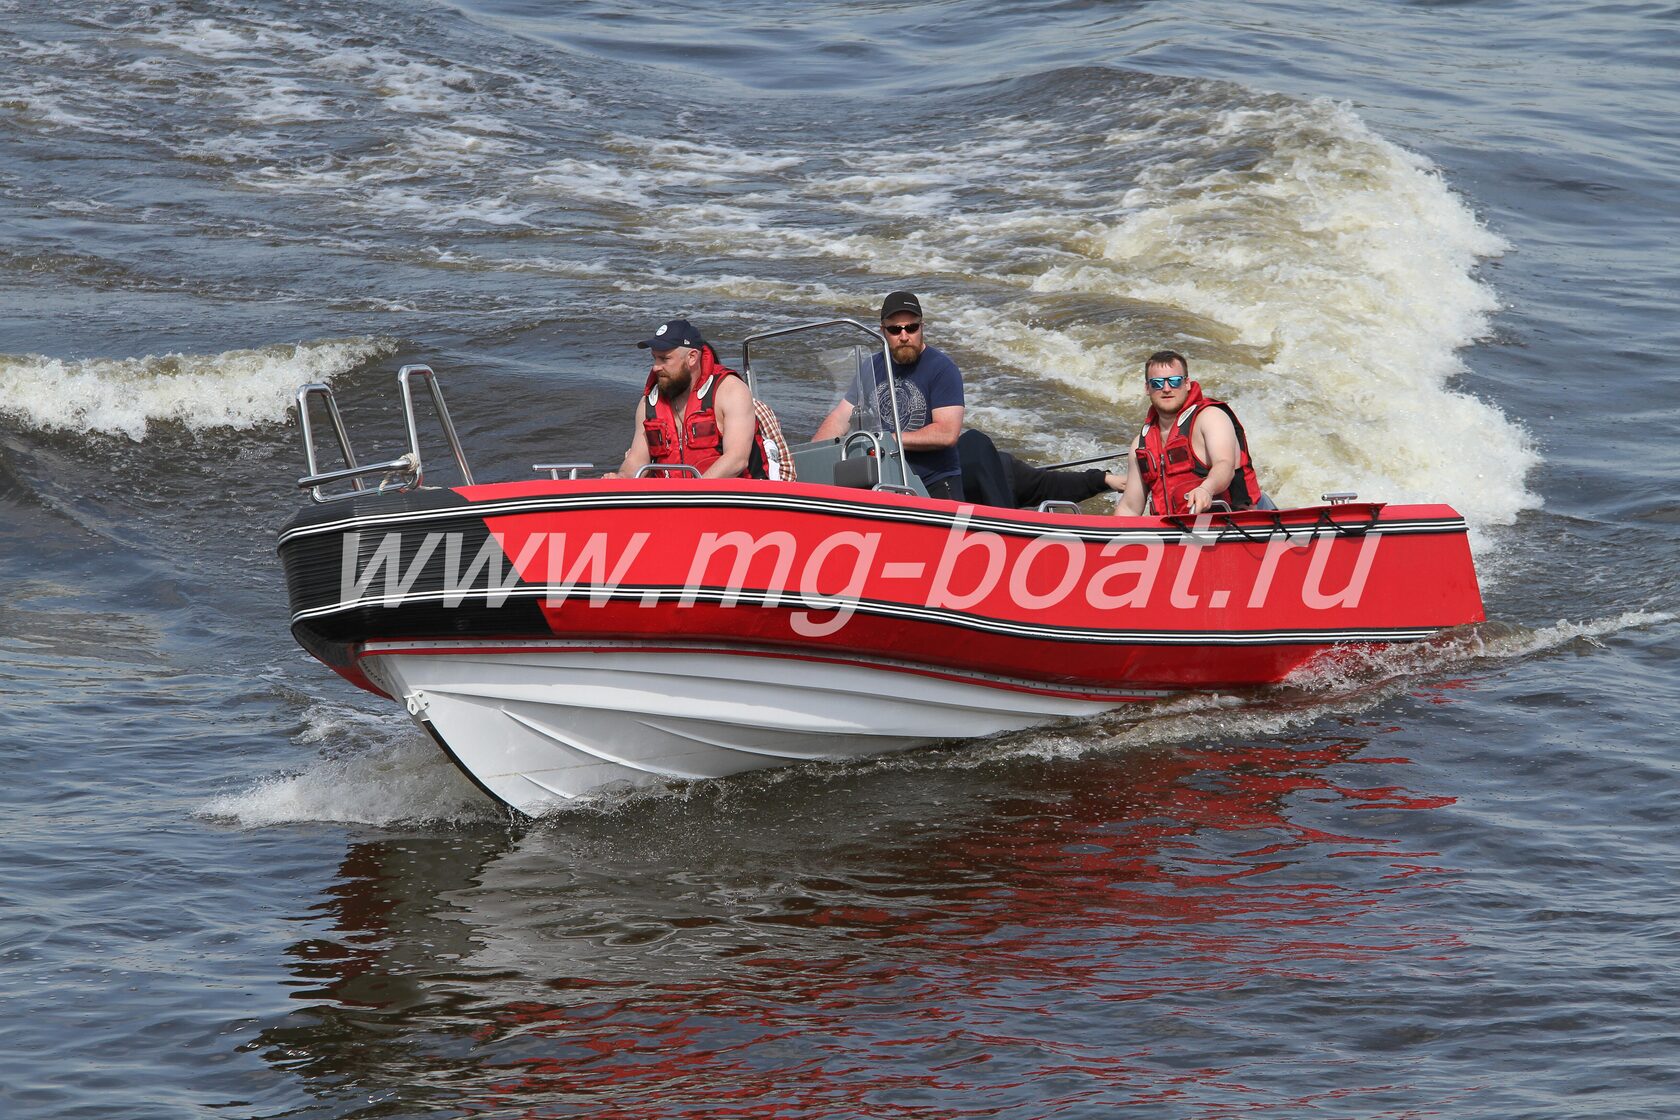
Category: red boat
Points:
column 560, row 637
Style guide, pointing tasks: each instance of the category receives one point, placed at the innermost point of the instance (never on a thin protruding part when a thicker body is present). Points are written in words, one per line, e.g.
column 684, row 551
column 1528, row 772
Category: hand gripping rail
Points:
column 406, row 469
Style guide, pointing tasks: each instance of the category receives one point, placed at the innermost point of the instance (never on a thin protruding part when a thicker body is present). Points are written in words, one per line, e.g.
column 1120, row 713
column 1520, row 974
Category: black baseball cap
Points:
column 678, row 332
column 901, row 301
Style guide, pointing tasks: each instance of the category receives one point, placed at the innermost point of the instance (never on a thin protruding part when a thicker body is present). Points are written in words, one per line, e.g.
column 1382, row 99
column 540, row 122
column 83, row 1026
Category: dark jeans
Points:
column 995, row 478
column 949, row 488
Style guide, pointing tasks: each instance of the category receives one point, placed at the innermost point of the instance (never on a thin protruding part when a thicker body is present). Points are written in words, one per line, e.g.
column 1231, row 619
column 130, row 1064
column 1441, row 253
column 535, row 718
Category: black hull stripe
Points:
column 879, row 608
column 834, row 508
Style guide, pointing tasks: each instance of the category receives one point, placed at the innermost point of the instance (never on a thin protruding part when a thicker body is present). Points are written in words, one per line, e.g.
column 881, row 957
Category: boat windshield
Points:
column 803, row 372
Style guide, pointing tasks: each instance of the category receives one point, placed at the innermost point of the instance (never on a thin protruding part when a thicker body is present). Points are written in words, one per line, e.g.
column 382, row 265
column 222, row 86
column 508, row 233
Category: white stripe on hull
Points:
column 539, row 726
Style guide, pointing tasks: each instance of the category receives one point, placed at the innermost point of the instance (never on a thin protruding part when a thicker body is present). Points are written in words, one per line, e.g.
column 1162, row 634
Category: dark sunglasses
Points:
column 1172, row 382
column 902, row 328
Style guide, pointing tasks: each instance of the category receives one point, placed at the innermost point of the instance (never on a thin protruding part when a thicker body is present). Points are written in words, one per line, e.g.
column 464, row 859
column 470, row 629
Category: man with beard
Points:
column 930, row 399
column 693, row 411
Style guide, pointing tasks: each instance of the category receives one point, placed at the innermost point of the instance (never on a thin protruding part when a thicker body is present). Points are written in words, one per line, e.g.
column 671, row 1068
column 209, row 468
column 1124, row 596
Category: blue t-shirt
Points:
column 931, row 381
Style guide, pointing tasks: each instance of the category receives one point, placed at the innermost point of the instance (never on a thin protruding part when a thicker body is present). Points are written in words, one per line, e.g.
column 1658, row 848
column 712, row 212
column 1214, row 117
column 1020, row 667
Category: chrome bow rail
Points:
column 405, row 472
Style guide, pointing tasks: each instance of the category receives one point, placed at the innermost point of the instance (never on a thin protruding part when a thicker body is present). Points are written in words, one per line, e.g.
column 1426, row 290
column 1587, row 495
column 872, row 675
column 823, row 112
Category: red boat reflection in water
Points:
column 968, row 946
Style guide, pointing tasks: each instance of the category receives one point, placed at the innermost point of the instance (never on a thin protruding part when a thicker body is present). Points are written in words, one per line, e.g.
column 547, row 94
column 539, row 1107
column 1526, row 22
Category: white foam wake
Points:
column 1353, row 669
column 373, row 768
column 1335, row 280
column 1320, row 277
column 1342, row 683
column 376, row 768
column 125, row 396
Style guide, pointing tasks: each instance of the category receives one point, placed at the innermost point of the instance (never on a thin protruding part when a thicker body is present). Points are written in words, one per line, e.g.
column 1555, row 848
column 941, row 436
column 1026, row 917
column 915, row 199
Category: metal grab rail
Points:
column 409, row 466
column 873, row 439
column 1273, row 523
column 403, row 464
column 314, row 480
column 554, row 469
column 886, row 360
column 405, row 377
column 878, row 452
column 647, row 469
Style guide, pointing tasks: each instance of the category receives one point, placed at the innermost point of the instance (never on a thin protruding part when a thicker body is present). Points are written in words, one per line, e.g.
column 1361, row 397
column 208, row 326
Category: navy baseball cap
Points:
column 901, row 301
column 678, row 332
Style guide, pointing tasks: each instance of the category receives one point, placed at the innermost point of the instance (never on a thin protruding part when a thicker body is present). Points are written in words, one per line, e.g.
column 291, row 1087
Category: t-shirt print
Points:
column 912, row 405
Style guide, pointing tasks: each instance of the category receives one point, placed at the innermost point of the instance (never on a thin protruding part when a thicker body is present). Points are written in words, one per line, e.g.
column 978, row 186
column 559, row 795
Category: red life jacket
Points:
column 697, row 441
column 1171, row 469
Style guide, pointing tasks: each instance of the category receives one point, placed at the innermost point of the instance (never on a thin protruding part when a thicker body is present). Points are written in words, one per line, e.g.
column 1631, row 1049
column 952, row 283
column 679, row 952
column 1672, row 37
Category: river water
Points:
column 1427, row 249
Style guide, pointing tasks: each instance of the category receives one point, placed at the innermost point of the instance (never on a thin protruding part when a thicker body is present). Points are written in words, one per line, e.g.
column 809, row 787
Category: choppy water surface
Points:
column 1427, row 250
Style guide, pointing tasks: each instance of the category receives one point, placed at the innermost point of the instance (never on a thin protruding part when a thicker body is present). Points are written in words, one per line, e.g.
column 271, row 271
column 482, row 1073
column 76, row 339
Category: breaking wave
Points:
column 1320, row 277
column 371, row 768
column 1343, row 682
column 1355, row 669
column 125, row 396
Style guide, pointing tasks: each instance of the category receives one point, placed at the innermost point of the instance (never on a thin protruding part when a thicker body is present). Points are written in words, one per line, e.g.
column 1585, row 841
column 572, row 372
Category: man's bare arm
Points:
column 637, row 457
column 834, row 424
column 942, row 429
column 1218, row 437
column 733, row 408
column 1131, row 502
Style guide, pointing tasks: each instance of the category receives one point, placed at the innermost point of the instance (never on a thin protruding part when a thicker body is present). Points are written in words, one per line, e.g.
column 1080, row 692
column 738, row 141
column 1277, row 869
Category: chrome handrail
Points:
column 405, row 377
column 1051, row 505
column 402, row 464
column 667, row 468
column 314, row 480
column 409, row 466
column 871, row 438
column 554, row 469
column 886, row 359
column 1338, row 497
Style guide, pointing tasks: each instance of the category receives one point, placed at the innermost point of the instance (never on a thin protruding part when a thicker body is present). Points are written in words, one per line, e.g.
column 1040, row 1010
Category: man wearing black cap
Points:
column 693, row 411
column 930, row 398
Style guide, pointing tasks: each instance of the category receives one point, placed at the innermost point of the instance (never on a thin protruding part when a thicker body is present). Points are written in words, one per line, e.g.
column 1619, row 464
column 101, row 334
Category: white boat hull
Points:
column 536, row 724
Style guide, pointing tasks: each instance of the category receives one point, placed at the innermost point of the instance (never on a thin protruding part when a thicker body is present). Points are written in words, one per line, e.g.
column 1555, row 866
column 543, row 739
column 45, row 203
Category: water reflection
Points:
column 1040, row 935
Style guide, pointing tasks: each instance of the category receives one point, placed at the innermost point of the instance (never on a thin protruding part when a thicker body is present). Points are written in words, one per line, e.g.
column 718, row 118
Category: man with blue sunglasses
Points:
column 1192, row 451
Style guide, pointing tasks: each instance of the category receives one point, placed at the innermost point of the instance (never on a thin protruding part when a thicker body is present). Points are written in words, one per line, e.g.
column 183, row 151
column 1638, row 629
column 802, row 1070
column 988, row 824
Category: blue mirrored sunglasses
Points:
column 1172, row 382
